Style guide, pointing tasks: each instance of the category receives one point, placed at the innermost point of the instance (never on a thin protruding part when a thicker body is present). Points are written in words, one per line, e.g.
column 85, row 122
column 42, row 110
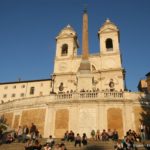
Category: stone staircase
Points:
column 93, row 145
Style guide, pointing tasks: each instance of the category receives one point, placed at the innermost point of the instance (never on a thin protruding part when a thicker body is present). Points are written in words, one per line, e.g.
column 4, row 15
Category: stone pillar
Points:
column 128, row 118
column 49, row 122
column 102, row 119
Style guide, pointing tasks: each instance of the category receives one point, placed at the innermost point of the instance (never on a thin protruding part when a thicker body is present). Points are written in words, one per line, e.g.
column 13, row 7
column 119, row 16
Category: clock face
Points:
column 62, row 66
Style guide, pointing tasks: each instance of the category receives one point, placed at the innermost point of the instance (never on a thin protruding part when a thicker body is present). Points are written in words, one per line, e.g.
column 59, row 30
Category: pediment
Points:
column 107, row 30
column 65, row 36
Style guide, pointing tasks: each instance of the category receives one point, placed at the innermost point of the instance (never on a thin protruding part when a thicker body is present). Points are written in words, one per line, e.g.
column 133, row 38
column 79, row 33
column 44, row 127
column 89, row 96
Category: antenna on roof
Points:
column 19, row 79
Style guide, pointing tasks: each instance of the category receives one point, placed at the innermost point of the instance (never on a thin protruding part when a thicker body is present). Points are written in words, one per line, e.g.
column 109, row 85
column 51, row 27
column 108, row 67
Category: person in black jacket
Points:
column 25, row 133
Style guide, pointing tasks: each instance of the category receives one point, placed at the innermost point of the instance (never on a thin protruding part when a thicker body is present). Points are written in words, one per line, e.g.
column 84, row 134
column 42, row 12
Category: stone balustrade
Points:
column 100, row 96
column 90, row 95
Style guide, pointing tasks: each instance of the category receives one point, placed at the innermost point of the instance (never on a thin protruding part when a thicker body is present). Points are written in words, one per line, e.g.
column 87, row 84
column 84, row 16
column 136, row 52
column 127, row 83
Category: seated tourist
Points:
column 47, row 147
column 84, row 139
column 115, row 135
column 9, row 139
column 50, row 141
column 56, row 147
column 128, row 144
column 65, row 136
column 119, row 145
column 71, row 136
column 77, row 140
column 28, row 145
column 62, row 147
column 36, row 145
column 93, row 134
column 110, row 134
column 104, row 135
column 1, row 133
column 98, row 135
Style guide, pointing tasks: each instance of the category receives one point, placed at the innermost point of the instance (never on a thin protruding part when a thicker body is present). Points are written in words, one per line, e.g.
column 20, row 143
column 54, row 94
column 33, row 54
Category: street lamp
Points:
column 53, row 76
column 124, row 78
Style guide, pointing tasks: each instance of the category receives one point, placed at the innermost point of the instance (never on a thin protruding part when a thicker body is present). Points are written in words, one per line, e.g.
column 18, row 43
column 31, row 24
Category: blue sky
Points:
column 28, row 29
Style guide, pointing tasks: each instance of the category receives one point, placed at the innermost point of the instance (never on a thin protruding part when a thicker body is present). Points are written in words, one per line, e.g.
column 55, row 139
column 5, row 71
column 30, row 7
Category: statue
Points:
column 61, row 87
column 111, row 85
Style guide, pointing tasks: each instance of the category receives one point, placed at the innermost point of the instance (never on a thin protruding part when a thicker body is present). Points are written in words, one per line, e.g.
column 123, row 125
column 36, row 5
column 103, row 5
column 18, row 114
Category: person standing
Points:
column 19, row 134
column 33, row 131
column 77, row 140
column 84, row 139
column 25, row 132
column 93, row 134
column 142, row 131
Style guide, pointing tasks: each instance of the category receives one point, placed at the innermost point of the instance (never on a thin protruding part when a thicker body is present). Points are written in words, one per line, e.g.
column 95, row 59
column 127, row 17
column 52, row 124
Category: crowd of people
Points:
column 30, row 137
column 95, row 135
column 127, row 143
column 105, row 135
column 77, row 139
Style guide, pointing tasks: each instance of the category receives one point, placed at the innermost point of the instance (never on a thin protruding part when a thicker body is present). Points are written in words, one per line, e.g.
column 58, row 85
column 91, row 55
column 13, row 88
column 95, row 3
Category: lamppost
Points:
column 53, row 76
column 124, row 78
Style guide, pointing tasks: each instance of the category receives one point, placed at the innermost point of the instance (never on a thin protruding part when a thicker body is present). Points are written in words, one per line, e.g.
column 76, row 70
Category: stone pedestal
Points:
column 84, row 81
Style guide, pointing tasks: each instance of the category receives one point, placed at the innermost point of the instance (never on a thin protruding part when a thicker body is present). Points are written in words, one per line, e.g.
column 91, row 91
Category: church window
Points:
column 22, row 94
column 64, row 50
column 32, row 89
column 23, row 86
column 41, row 93
column 5, row 96
column 13, row 95
column 14, row 86
column 109, row 44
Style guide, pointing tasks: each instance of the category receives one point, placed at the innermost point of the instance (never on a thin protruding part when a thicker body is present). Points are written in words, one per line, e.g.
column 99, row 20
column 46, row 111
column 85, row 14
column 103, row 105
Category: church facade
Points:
column 86, row 91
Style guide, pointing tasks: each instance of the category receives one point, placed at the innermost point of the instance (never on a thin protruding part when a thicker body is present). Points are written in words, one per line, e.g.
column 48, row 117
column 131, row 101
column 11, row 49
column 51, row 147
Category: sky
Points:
column 28, row 29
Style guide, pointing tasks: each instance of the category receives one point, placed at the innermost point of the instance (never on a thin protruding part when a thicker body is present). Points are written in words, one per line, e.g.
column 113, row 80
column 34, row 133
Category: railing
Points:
column 89, row 95
column 45, row 100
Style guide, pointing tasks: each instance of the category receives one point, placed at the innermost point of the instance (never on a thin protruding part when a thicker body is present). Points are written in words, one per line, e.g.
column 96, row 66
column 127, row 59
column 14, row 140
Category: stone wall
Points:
column 16, row 121
column 61, row 122
column 36, row 116
column 9, row 118
column 115, row 120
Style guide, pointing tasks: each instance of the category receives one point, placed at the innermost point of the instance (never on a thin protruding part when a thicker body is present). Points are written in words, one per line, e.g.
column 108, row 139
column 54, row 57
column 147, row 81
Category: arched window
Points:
column 64, row 50
column 109, row 44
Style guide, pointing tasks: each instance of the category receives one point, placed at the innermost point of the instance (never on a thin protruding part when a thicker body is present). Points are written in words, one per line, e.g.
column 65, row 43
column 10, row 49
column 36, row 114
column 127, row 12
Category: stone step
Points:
column 70, row 145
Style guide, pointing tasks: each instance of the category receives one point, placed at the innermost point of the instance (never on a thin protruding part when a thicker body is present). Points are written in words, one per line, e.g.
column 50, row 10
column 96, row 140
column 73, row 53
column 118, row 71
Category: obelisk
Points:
column 85, row 44
column 84, row 74
column 85, row 64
